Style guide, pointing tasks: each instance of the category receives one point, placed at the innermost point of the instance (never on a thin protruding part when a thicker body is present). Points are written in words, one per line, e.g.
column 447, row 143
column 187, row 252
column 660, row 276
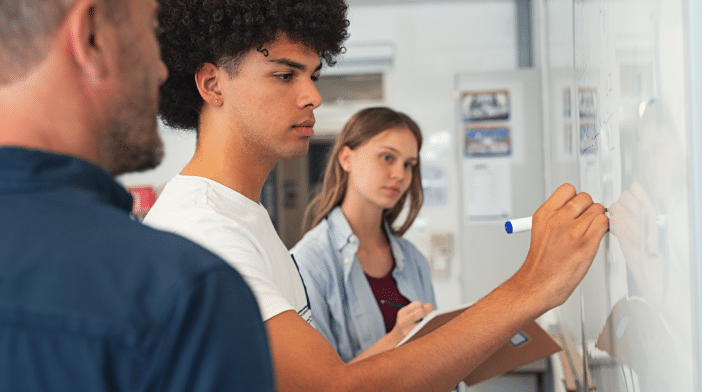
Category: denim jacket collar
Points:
column 347, row 243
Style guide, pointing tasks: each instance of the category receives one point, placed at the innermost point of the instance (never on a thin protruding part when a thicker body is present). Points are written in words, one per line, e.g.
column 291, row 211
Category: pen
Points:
column 390, row 303
column 521, row 224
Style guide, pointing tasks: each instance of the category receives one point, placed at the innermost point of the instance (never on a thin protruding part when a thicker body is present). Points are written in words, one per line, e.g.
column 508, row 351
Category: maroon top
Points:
column 386, row 288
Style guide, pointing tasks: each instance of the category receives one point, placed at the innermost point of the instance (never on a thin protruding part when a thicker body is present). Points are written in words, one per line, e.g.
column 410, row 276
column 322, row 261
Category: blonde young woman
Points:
column 354, row 259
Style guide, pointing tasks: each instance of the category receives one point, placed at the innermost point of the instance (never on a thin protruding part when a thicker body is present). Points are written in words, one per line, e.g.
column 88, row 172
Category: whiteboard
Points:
column 619, row 126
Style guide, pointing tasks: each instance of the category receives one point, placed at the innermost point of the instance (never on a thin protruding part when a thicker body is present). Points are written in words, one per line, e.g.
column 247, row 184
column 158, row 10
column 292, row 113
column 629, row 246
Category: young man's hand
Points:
column 565, row 236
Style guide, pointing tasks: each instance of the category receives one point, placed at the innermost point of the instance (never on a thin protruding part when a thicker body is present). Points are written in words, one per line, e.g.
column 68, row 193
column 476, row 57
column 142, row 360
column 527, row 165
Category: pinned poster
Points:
column 487, row 172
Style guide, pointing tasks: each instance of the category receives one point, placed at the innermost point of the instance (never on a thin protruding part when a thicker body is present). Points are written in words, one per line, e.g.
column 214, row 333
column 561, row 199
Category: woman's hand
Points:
column 409, row 316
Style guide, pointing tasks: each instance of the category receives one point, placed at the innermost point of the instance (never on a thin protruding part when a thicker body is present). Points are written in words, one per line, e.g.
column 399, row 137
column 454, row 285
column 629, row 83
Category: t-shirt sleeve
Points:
column 214, row 340
column 228, row 240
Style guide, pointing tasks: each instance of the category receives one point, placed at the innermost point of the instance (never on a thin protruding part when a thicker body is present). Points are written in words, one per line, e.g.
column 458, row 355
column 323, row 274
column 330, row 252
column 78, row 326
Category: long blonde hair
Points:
column 361, row 127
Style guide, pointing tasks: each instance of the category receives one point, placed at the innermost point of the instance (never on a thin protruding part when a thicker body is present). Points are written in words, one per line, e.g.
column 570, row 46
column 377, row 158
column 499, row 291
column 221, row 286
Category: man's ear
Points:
column 345, row 157
column 94, row 39
column 206, row 80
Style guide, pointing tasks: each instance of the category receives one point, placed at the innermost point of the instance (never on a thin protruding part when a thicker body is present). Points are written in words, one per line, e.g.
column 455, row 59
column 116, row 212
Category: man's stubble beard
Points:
column 132, row 142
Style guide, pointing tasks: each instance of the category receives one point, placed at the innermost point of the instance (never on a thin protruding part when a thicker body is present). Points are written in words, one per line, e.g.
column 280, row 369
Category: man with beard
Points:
column 90, row 299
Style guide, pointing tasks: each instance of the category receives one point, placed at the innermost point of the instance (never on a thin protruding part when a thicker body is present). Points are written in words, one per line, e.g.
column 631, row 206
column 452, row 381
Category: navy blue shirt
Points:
column 91, row 300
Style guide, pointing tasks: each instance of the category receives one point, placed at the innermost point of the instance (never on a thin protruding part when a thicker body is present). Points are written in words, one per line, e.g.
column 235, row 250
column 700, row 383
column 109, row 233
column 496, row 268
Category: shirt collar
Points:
column 341, row 228
column 24, row 170
column 344, row 237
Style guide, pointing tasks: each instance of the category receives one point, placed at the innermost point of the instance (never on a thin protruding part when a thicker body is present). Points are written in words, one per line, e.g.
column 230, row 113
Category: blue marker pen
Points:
column 518, row 225
column 521, row 224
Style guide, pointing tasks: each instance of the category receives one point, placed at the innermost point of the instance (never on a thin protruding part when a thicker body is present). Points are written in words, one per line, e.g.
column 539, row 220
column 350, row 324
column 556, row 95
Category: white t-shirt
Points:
column 239, row 231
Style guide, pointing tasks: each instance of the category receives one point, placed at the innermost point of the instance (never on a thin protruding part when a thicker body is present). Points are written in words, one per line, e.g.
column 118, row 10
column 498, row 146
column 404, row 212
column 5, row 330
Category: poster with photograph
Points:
column 490, row 105
column 489, row 141
column 487, row 170
column 486, row 117
column 587, row 110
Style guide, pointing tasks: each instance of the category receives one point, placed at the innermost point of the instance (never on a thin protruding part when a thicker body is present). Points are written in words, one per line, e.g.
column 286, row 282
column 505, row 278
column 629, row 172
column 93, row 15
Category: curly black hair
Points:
column 194, row 32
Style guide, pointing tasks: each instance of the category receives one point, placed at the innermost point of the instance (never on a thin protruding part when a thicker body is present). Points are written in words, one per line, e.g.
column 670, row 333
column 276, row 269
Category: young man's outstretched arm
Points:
column 566, row 233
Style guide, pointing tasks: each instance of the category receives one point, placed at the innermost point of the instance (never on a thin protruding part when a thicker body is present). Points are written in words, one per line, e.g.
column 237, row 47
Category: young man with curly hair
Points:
column 91, row 300
column 242, row 74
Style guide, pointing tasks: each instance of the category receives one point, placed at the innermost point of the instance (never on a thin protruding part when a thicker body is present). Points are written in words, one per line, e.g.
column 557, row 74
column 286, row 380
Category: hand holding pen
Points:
column 566, row 233
column 520, row 224
column 409, row 315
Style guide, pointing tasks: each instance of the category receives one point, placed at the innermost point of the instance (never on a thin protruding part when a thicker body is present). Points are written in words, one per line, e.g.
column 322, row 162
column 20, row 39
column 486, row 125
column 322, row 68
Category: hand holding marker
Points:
column 521, row 224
